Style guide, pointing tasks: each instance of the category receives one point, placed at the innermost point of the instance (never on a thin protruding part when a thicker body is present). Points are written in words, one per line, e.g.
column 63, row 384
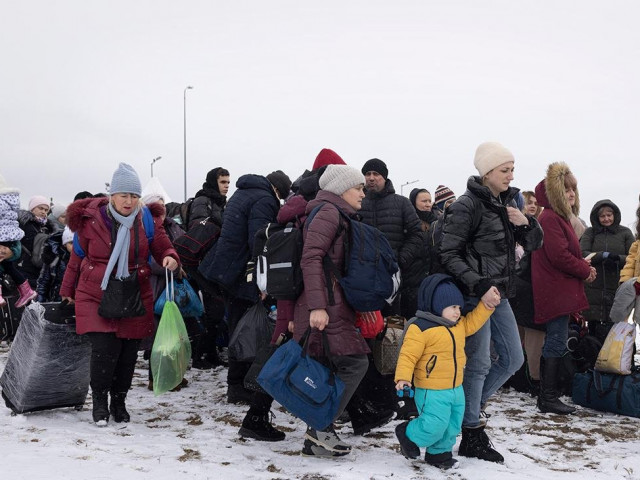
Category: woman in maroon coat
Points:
column 341, row 189
column 557, row 274
column 114, row 342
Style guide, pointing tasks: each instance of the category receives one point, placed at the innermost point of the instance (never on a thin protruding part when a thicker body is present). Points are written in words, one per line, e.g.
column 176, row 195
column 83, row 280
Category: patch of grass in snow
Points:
column 189, row 455
column 290, row 453
column 273, row 469
column 194, row 420
column 229, row 419
column 314, row 476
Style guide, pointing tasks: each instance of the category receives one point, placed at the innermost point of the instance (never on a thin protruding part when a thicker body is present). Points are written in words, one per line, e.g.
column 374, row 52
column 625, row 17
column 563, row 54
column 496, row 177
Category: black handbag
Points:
column 122, row 298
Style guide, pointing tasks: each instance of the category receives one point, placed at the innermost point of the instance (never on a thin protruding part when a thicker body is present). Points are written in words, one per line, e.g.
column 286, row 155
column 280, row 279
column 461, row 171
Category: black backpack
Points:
column 278, row 251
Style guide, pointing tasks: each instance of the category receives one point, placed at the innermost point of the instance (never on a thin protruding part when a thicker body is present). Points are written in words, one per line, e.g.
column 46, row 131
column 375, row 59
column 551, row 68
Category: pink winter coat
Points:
column 83, row 277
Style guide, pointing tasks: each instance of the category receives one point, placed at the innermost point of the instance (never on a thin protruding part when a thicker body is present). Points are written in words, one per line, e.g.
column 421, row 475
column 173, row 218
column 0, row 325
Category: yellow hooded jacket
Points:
column 433, row 354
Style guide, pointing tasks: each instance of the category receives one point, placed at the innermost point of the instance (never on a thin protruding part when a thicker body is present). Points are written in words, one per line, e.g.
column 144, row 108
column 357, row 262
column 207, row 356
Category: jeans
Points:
column 555, row 342
column 484, row 375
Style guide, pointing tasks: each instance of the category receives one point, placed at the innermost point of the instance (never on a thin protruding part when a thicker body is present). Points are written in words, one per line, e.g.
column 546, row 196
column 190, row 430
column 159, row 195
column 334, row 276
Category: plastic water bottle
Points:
column 273, row 313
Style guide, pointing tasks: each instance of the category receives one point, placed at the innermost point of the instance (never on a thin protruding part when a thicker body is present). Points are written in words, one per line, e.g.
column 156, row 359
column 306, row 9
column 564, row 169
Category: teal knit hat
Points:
column 125, row 180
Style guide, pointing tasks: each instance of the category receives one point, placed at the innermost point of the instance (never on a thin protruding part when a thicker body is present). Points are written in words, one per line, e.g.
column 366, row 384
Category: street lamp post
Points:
column 184, row 104
column 152, row 162
column 405, row 184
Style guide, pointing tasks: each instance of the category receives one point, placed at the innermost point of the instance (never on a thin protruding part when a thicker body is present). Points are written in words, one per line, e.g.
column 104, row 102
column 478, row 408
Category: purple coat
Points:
column 325, row 235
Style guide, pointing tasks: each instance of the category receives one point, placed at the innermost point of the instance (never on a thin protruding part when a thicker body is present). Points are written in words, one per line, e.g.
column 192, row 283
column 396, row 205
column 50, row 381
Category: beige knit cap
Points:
column 340, row 178
column 490, row 155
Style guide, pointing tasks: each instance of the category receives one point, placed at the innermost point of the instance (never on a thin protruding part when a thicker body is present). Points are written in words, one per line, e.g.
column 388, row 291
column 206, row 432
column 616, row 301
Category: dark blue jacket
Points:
column 252, row 207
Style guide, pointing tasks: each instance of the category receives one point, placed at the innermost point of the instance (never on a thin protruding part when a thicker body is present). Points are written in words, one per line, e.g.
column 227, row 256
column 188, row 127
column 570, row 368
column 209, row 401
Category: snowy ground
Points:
column 193, row 434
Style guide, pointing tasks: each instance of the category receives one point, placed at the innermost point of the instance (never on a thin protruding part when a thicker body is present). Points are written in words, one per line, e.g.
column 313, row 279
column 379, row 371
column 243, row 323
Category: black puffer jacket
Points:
column 615, row 239
column 207, row 203
column 394, row 216
column 478, row 245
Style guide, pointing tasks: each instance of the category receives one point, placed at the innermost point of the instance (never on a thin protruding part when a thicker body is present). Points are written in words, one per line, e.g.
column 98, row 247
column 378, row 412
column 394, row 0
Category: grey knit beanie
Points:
column 490, row 155
column 125, row 180
column 340, row 178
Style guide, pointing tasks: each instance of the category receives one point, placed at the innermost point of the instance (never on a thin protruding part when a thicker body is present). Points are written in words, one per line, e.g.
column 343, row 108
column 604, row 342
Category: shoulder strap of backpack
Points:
column 77, row 248
column 147, row 221
column 327, row 264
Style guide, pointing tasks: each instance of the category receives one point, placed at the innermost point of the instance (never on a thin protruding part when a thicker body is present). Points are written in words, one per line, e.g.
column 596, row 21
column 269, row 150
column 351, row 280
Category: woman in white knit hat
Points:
column 112, row 236
column 341, row 189
column 478, row 250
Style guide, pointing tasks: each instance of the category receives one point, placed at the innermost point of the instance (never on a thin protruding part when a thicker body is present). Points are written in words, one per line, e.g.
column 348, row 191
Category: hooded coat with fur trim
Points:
column 615, row 239
column 557, row 269
column 83, row 276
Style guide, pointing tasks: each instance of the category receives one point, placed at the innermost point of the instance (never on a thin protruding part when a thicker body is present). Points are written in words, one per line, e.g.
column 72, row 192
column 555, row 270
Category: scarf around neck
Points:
column 120, row 252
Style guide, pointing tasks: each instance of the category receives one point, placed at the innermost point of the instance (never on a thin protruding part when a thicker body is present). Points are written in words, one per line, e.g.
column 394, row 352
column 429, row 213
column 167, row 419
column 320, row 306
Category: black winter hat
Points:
column 375, row 165
column 281, row 181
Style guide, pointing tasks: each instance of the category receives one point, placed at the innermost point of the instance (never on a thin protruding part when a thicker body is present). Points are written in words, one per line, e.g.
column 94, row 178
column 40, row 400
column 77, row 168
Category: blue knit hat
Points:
column 125, row 180
column 445, row 295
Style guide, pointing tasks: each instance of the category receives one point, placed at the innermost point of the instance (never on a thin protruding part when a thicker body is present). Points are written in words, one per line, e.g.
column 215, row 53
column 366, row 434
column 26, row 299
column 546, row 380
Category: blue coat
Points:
column 252, row 207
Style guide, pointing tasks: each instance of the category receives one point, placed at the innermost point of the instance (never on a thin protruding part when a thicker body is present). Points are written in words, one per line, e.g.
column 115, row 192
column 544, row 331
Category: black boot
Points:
column 257, row 425
column 364, row 417
column 475, row 443
column 118, row 408
column 548, row 401
column 100, row 407
column 443, row 461
column 407, row 447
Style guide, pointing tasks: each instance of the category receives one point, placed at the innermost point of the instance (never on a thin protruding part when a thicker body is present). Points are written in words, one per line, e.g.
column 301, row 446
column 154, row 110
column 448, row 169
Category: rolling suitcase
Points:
column 48, row 364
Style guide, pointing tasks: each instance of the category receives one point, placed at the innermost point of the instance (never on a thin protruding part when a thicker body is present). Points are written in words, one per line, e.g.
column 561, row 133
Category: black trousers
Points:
column 113, row 361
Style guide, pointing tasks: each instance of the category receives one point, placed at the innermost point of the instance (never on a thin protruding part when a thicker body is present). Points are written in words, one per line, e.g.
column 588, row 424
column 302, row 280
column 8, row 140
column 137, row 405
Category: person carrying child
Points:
column 432, row 353
column 10, row 247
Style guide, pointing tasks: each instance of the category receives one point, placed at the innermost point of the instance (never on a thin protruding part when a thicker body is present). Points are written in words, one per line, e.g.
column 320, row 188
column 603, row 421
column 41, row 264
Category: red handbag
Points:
column 370, row 324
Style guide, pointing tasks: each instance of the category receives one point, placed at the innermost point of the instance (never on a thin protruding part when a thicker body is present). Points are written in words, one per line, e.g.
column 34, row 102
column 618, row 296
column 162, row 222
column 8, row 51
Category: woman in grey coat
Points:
column 608, row 243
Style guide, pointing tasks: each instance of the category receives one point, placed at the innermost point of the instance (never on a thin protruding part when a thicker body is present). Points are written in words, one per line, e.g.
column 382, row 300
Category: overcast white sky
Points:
column 419, row 84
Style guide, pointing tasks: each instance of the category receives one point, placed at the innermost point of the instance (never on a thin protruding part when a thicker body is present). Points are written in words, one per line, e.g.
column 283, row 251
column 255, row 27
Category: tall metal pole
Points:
column 184, row 103
column 152, row 162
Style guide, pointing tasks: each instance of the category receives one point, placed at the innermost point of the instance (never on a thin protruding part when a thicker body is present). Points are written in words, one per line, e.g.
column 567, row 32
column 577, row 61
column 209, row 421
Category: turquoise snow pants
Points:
column 440, row 419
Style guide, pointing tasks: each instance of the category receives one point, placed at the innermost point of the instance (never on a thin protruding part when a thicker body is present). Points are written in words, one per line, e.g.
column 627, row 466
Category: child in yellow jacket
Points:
column 432, row 354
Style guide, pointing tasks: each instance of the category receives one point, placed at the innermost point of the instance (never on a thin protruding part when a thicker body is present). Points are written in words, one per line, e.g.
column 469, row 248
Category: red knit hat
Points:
column 327, row 157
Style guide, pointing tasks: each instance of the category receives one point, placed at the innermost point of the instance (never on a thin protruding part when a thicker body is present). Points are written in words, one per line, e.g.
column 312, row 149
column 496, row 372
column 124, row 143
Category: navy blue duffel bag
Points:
column 608, row 392
column 305, row 387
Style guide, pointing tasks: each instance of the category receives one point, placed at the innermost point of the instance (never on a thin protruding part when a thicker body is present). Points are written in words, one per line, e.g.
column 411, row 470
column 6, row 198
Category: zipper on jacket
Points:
column 431, row 364
column 455, row 358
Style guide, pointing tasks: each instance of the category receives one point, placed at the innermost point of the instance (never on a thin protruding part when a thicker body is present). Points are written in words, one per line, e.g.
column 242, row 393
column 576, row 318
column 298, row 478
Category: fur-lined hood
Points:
column 550, row 191
column 88, row 207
